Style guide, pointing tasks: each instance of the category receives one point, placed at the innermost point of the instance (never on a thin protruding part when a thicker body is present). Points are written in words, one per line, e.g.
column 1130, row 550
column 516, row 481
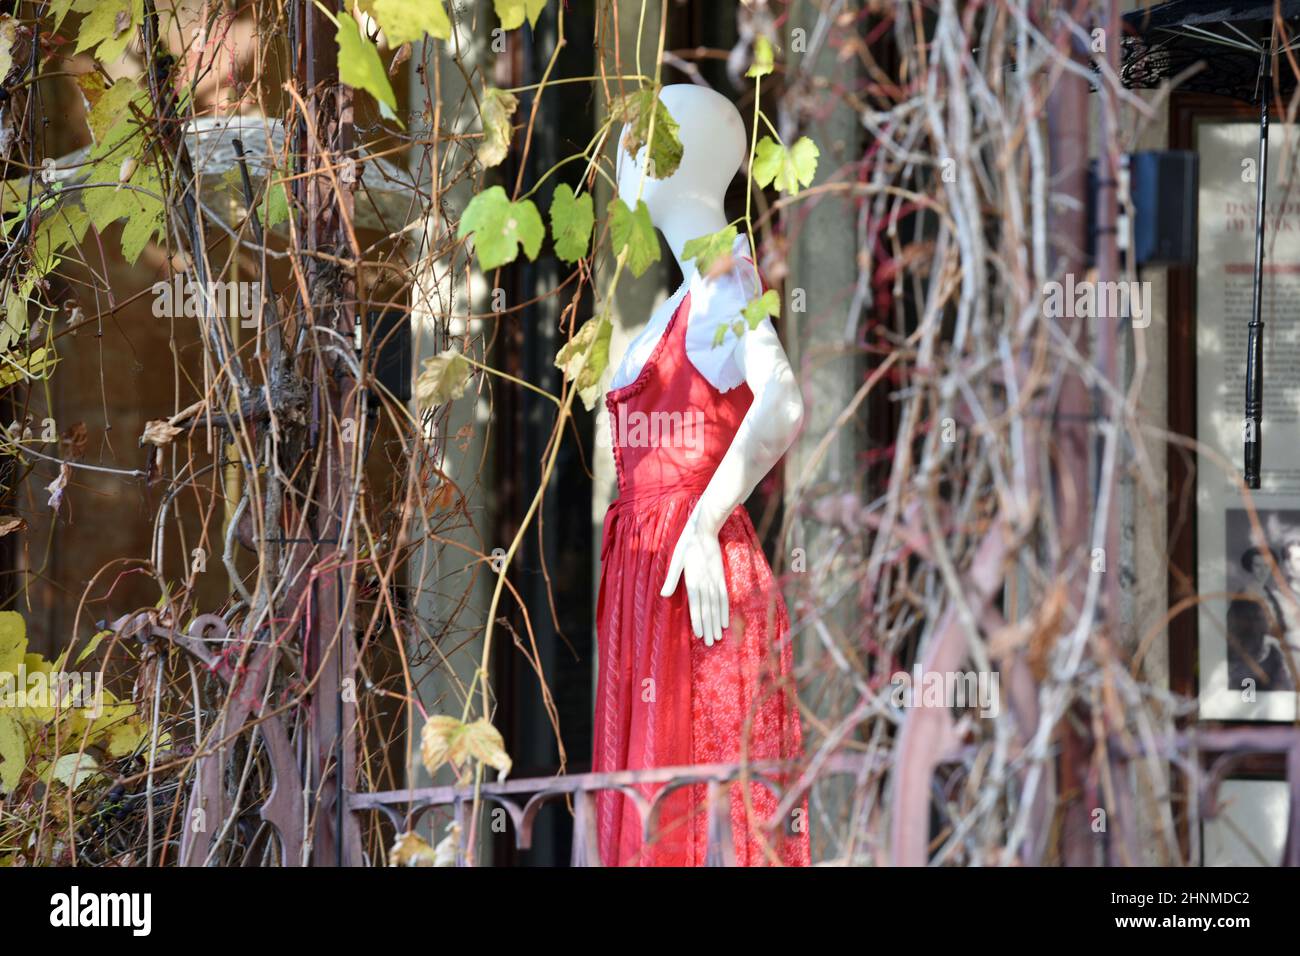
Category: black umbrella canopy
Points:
column 1177, row 13
column 1224, row 36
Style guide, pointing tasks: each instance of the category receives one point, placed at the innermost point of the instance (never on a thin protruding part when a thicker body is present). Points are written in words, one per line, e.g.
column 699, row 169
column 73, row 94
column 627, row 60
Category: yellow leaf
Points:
column 40, row 675
column 360, row 66
column 444, row 378
column 13, row 640
column 13, row 752
column 444, row 854
column 126, row 738
column 92, row 87
column 110, row 117
column 585, row 357
column 58, row 706
column 498, row 107
column 436, row 741
column 8, row 36
column 483, row 742
column 108, row 27
column 91, row 645
column 404, row 21
column 15, row 317
column 30, row 368
column 513, row 12
column 71, row 770
column 411, row 849
column 448, row 740
column 112, row 714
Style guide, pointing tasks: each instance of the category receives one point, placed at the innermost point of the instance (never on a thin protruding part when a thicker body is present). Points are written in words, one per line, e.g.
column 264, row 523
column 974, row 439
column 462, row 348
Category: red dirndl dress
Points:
column 663, row 697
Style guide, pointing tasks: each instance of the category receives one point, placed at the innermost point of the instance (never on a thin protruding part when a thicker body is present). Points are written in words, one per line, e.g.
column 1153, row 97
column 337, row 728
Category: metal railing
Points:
column 523, row 799
column 1205, row 755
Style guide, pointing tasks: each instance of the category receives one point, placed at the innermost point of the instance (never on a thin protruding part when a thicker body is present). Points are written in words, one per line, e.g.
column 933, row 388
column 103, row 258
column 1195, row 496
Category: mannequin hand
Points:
column 699, row 557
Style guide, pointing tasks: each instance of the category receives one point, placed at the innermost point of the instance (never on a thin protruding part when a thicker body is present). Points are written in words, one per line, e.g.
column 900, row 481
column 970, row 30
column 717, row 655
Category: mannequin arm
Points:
column 764, row 434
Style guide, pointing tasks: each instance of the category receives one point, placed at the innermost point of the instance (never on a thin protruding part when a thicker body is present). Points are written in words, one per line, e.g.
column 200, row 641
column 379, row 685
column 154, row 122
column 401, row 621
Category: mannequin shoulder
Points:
column 713, row 336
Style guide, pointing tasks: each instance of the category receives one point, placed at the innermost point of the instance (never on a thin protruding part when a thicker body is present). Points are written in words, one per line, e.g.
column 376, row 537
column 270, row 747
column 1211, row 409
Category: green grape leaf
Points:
column 512, row 12
column 112, row 118
column 759, row 308
column 737, row 328
column 498, row 107
column 124, row 183
column 710, row 250
column 108, row 27
column 59, row 9
column 360, row 66
column 443, row 379
column 635, row 109
column 139, row 229
column 275, row 207
column 790, row 169
column 106, row 205
column 59, row 230
column 141, row 207
column 764, row 62
column 584, row 358
column 571, row 223
column 635, row 232
column 500, row 226
column 405, row 21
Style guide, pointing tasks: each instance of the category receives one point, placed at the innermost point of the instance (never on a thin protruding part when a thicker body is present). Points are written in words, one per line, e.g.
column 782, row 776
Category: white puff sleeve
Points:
column 717, row 302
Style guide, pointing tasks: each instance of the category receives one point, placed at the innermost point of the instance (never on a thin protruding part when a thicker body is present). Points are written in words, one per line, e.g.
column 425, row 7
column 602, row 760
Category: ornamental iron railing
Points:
column 523, row 799
column 1205, row 757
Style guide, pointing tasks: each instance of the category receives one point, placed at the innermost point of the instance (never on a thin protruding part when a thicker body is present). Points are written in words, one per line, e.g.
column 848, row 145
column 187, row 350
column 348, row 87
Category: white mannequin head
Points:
column 713, row 148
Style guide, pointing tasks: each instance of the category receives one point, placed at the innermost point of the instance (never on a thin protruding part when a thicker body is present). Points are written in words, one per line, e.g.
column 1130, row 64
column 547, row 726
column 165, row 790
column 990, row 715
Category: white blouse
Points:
column 716, row 300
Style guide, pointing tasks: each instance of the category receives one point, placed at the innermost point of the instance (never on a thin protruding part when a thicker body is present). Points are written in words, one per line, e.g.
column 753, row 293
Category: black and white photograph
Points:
column 1263, row 618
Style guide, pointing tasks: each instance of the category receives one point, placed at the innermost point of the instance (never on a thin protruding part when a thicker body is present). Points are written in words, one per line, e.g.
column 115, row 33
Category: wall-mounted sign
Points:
column 1248, row 558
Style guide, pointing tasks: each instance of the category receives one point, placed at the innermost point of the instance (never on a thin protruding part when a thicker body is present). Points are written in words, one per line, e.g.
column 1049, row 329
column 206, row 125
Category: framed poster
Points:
column 1250, row 830
column 1247, row 572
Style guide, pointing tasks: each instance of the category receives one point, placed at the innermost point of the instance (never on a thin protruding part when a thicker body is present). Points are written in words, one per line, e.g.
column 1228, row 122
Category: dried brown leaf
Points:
column 159, row 432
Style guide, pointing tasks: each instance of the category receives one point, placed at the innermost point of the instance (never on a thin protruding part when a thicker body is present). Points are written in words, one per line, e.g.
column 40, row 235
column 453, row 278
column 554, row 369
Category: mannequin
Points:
column 685, row 206
column 699, row 415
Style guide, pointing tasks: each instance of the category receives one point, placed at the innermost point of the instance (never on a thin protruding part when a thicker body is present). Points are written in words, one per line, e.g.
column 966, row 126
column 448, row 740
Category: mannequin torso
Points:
column 697, row 418
column 685, row 206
